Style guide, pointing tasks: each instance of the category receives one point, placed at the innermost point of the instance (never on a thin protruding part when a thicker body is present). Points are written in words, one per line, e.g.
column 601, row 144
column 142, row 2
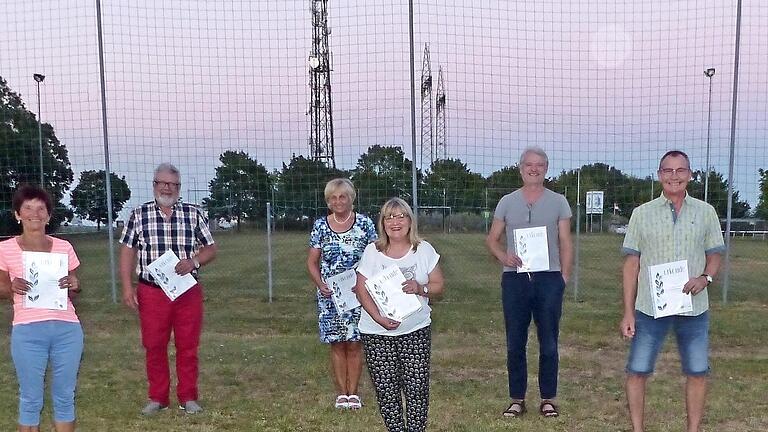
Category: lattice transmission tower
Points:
column 427, row 143
column 320, row 108
column 441, row 149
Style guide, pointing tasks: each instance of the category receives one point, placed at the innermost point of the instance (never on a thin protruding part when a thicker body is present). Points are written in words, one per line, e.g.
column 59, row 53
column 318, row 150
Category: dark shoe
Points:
column 516, row 409
column 548, row 409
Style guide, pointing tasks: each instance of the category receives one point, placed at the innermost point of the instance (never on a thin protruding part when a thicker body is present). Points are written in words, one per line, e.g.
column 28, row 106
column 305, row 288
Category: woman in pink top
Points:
column 41, row 336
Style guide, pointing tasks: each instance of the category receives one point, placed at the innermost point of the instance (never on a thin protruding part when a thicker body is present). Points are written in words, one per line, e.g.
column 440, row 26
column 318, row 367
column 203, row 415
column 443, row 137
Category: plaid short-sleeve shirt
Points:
column 660, row 235
column 152, row 234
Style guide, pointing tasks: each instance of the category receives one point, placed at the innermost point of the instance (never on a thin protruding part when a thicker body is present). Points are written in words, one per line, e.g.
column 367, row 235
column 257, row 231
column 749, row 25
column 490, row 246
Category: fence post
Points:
column 578, row 237
column 269, row 250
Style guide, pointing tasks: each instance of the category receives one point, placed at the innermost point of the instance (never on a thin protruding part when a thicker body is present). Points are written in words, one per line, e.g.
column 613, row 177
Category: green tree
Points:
column 717, row 194
column 240, row 189
column 622, row 190
column 500, row 183
column 20, row 161
column 89, row 198
column 382, row 173
column 449, row 182
column 761, row 210
column 300, row 190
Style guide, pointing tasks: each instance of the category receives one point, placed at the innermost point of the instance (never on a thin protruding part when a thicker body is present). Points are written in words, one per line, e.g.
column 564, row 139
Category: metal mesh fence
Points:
column 264, row 101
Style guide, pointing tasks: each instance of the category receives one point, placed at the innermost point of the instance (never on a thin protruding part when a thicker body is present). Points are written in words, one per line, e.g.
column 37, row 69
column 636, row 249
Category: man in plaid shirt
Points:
column 152, row 229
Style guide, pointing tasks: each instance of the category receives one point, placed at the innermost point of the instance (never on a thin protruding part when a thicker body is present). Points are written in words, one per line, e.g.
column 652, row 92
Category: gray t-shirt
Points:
column 547, row 211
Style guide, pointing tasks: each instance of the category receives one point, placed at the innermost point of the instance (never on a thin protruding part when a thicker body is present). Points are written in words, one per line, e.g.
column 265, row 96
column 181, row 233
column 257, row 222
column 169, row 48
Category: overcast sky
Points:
column 612, row 81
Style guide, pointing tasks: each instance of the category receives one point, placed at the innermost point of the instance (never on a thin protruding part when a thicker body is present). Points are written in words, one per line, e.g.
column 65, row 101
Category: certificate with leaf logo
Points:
column 667, row 281
column 386, row 289
column 532, row 248
column 164, row 273
column 341, row 287
column 43, row 270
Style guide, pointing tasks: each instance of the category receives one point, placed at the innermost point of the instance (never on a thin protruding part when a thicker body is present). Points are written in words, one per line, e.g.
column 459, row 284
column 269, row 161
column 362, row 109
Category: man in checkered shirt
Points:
column 152, row 229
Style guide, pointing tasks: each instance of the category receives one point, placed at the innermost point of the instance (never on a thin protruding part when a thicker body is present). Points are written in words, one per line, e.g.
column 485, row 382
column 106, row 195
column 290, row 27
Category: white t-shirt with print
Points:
column 415, row 265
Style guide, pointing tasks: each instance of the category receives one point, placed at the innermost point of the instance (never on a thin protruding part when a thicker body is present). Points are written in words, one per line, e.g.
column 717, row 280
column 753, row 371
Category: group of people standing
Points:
column 673, row 227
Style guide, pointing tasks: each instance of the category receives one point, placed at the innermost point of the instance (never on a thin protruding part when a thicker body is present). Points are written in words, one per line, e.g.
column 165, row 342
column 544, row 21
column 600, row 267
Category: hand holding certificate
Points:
column 386, row 289
column 667, row 281
column 341, row 287
column 43, row 270
column 163, row 271
column 532, row 248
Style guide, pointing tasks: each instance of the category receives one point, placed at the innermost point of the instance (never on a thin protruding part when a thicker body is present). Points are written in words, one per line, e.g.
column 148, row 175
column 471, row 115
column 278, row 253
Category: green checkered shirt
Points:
column 659, row 235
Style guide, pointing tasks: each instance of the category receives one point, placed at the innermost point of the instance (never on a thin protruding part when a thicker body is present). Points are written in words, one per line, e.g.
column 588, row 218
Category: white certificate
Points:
column 532, row 248
column 341, row 287
column 163, row 271
column 667, row 282
column 386, row 289
column 43, row 270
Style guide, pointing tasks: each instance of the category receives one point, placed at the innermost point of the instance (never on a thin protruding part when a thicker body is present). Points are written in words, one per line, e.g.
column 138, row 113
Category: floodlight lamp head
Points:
column 38, row 77
column 709, row 72
column 314, row 62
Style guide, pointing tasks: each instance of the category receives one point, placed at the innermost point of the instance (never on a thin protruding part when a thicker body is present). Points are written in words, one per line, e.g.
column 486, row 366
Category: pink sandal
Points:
column 354, row 401
column 342, row 402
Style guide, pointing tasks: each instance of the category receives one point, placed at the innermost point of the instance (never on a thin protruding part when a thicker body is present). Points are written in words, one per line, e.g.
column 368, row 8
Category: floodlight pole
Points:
column 708, row 73
column 39, row 78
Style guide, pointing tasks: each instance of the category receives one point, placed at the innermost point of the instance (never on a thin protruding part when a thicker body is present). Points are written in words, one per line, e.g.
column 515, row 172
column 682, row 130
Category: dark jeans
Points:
column 537, row 295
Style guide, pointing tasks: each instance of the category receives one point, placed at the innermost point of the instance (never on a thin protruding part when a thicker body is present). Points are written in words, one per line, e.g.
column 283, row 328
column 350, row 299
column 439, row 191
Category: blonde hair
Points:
column 396, row 205
column 343, row 185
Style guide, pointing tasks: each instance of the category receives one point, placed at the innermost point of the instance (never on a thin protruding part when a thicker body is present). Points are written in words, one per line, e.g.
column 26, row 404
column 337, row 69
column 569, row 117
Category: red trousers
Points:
column 159, row 316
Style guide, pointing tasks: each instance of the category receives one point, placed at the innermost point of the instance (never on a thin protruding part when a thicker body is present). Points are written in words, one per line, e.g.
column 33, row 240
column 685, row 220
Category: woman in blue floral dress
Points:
column 336, row 244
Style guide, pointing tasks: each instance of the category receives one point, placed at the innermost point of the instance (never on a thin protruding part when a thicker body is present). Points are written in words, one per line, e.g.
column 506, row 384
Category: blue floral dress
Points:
column 339, row 251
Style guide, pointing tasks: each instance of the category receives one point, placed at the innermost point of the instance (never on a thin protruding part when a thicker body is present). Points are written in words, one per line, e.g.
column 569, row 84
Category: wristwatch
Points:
column 196, row 262
column 425, row 290
column 708, row 278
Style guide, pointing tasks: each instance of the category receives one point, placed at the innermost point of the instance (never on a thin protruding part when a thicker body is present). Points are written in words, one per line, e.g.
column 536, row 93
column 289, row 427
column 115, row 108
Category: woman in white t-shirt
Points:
column 398, row 353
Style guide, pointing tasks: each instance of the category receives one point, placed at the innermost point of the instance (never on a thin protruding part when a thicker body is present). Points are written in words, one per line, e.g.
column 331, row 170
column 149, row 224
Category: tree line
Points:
column 242, row 186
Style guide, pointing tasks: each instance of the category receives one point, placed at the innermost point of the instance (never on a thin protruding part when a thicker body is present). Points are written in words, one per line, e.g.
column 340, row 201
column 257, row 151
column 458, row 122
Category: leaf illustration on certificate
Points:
column 163, row 271
column 532, row 248
column 341, row 286
column 43, row 270
column 386, row 289
column 667, row 281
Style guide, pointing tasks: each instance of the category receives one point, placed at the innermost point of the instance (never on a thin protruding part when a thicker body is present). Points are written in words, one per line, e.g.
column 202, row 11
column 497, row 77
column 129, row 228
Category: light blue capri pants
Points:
column 33, row 345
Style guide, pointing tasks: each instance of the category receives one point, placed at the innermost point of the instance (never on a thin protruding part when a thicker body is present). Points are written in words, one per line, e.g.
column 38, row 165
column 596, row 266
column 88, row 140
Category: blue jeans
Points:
column 538, row 296
column 692, row 334
column 32, row 346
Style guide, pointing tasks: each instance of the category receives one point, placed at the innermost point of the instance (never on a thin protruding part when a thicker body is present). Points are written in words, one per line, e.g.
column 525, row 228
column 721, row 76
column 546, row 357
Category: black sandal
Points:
column 516, row 409
column 552, row 411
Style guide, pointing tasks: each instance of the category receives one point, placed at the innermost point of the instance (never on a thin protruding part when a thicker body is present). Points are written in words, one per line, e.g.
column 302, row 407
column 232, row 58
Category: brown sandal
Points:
column 551, row 411
column 516, row 409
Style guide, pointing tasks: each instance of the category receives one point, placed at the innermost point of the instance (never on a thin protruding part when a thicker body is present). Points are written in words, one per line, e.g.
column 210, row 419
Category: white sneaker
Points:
column 191, row 407
column 153, row 408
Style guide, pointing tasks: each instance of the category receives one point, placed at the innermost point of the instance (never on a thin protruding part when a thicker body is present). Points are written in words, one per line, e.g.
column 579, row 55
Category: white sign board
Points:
column 595, row 202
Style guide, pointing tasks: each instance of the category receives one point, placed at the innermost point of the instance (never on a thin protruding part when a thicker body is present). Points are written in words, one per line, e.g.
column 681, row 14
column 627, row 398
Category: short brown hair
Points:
column 28, row 192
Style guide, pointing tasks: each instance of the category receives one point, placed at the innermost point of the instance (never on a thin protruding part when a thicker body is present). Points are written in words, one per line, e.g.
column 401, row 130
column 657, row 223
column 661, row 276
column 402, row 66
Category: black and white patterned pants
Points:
column 400, row 364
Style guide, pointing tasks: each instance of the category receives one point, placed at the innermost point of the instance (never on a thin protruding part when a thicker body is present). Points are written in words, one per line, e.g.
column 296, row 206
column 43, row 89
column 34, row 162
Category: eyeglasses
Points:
column 680, row 171
column 166, row 184
column 395, row 216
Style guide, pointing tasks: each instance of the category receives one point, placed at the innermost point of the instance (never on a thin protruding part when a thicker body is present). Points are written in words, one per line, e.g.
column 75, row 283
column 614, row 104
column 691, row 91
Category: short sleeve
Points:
column 315, row 235
column 631, row 245
column 431, row 256
column 370, row 230
column 202, row 231
column 565, row 208
column 3, row 264
column 501, row 209
column 713, row 243
column 367, row 264
column 74, row 262
column 129, row 237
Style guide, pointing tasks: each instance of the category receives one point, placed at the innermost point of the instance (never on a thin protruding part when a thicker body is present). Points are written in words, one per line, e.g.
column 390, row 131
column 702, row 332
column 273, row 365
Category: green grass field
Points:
column 263, row 369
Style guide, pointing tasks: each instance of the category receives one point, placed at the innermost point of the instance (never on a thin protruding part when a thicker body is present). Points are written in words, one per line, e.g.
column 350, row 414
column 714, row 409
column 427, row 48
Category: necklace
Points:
column 341, row 222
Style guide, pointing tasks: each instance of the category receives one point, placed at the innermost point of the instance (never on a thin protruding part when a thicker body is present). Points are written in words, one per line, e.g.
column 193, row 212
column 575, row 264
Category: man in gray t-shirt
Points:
column 538, row 293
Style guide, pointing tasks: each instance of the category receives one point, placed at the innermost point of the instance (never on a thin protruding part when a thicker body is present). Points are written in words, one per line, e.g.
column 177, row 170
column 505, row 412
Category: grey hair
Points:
column 169, row 168
column 534, row 150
